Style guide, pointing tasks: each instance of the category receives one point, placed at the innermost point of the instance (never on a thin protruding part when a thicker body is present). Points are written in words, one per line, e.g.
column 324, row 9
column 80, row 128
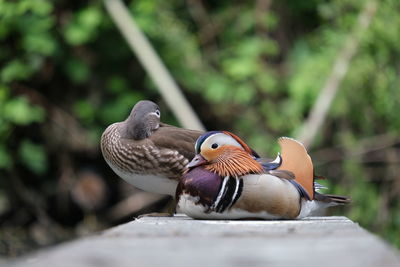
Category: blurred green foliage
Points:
column 254, row 68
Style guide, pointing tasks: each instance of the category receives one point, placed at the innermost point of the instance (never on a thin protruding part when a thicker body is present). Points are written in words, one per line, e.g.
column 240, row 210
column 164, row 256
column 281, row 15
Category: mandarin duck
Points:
column 146, row 153
column 226, row 180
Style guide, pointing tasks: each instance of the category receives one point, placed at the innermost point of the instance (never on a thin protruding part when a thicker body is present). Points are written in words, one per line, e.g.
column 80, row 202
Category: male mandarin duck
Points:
column 227, row 180
column 147, row 153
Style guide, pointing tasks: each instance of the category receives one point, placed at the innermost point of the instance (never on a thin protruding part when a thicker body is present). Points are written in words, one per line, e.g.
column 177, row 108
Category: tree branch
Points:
column 153, row 65
column 321, row 107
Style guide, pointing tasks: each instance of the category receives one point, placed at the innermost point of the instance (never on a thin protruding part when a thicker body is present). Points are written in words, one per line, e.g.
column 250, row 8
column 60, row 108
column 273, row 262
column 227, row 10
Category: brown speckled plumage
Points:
column 149, row 156
column 152, row 148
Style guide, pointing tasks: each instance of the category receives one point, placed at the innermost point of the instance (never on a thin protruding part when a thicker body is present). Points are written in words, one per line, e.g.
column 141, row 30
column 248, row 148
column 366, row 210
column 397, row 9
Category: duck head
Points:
column 143, row 120
column 225, row 154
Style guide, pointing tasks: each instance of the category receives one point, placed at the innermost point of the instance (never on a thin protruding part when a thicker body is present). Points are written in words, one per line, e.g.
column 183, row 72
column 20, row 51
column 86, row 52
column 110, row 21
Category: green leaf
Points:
column 117, row 84
column 20, row 112
column 84, row 26
column 76, row 35
column 90, row 17
column 217, row 90
column 30, row 24
column 77, row 70
column 41, row 43
column 84, row 110
column 33, row 156
column 39, row 7
column 5, row 158
column 4, row 93
column 15, row 70
column 240, row 68
column 244, row 94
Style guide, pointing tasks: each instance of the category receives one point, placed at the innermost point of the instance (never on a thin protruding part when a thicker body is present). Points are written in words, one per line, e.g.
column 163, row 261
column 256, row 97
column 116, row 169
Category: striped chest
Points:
column 211, row 190
column 140, row 156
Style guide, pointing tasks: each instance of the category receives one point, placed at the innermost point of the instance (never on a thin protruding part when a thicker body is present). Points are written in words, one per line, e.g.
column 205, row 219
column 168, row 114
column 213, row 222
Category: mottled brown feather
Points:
column 181, row 140
column 166, row 152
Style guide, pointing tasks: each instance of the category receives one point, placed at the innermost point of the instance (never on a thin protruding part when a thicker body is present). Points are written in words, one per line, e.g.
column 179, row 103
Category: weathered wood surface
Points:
column 180, row 241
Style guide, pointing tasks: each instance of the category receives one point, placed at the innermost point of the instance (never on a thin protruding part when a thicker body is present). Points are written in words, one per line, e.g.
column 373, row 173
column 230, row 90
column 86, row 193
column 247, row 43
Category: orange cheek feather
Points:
column 231, row 161
column 211, row 154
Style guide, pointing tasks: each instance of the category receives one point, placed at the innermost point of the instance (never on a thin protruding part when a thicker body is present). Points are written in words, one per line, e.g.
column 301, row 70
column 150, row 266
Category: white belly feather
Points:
column 147, row 182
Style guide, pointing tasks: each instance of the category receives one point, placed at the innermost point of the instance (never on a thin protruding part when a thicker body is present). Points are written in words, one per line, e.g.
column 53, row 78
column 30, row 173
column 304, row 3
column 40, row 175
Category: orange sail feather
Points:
column 296, row 159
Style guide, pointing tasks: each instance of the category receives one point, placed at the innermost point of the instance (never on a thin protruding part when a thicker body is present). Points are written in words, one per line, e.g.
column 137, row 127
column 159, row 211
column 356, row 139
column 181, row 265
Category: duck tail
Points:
column 332, row 199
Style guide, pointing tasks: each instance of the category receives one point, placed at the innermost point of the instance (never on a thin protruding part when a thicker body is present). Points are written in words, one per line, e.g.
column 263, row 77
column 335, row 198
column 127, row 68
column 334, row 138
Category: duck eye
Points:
column 214, row 146
column 158, row 113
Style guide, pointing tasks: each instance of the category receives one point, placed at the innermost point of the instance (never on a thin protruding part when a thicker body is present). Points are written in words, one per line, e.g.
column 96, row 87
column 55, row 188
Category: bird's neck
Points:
column 134, row 129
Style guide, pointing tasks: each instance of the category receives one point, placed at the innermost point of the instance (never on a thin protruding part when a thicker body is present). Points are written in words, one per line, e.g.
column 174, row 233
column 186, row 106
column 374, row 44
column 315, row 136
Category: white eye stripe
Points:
column 220, row 139
column 157, row 113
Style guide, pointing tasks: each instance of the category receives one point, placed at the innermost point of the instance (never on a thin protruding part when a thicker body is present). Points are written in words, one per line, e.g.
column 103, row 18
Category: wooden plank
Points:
column 181, row 241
